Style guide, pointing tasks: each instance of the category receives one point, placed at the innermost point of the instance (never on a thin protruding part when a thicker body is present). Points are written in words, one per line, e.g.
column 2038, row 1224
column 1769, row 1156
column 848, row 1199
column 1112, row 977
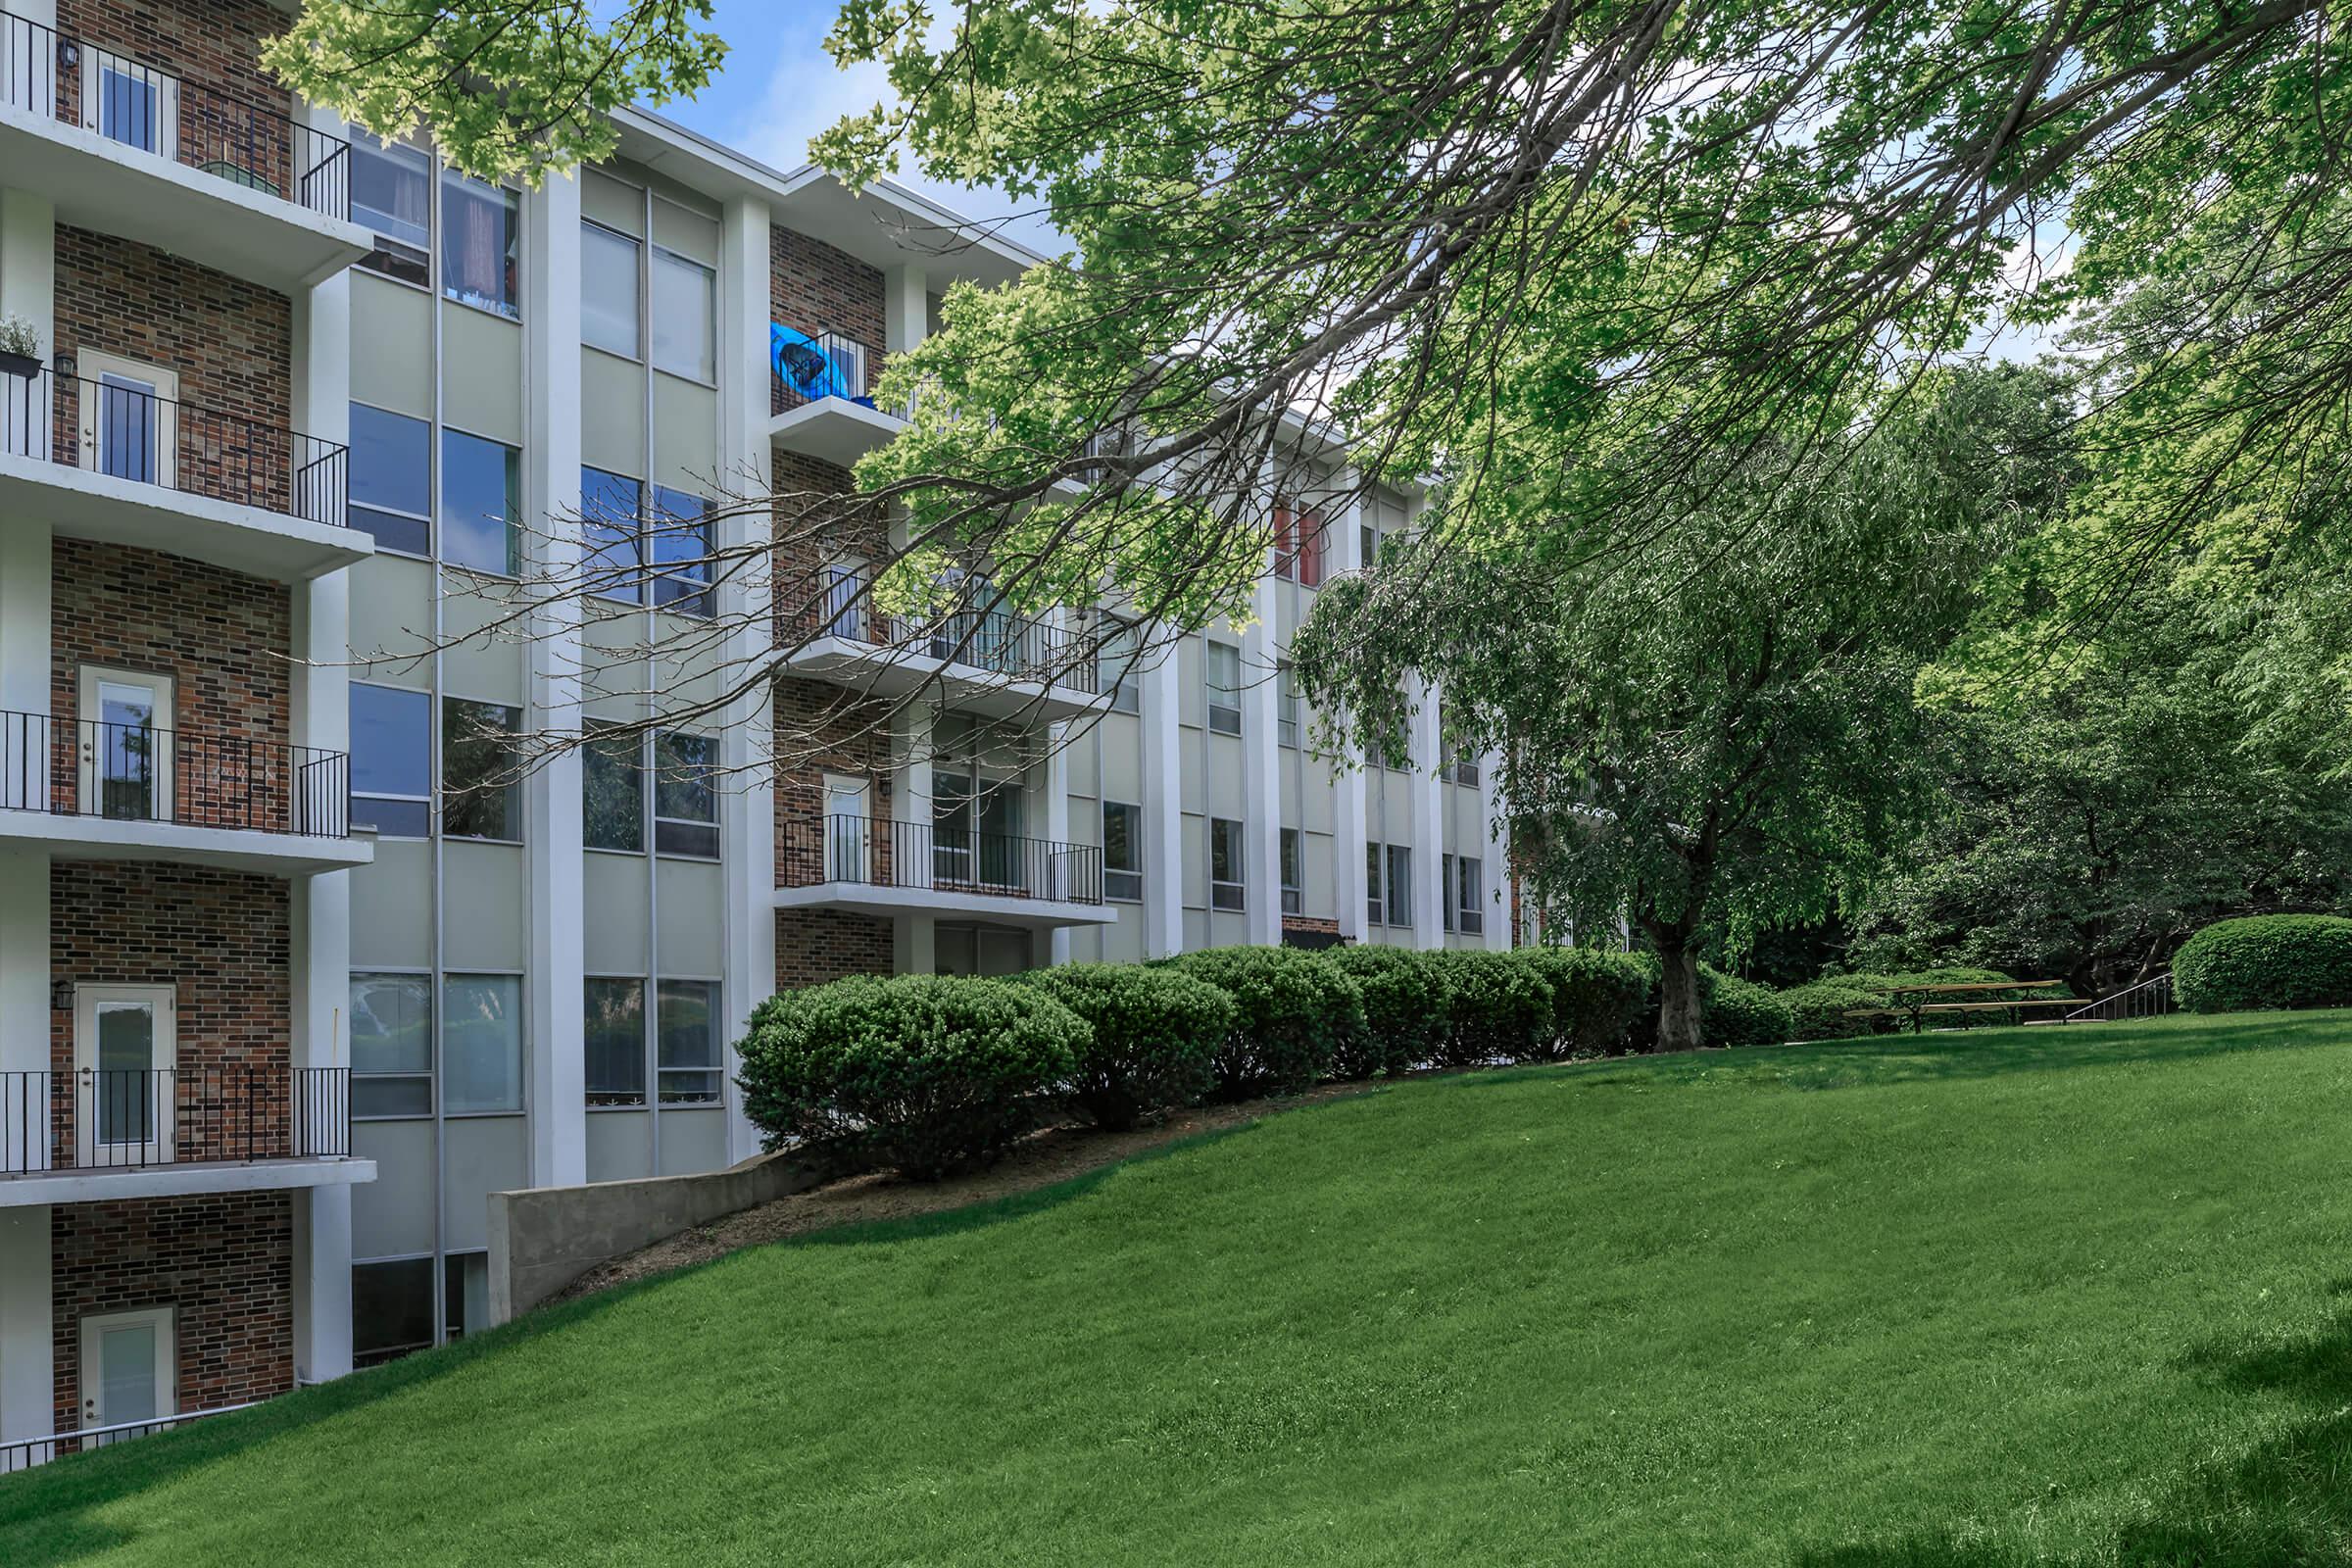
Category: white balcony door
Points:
column 130, row 418
column 849, row 830
column 125, row 745
column 135, row 104
column 129, row 1370
column 126, row 1041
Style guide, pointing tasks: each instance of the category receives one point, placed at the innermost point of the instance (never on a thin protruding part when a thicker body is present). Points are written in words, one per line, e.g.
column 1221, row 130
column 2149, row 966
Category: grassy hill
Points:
column 2077, row 1296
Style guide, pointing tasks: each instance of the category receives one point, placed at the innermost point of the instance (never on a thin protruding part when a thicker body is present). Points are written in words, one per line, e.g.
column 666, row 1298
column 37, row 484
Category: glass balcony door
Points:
column 135, row 104
column 129, row 1366
column 125, row 745
column 124, row 1044
column 849, row 830
column 130, row 414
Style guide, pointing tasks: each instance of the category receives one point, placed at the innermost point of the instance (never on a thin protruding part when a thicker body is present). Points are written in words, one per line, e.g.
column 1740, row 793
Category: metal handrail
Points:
column 2150, row 998
column 136, row 1118
column 137, row 772
column 126, row 432
column 22, row 1453
column 931, row 857
column 176, row 118
column 1017, row 646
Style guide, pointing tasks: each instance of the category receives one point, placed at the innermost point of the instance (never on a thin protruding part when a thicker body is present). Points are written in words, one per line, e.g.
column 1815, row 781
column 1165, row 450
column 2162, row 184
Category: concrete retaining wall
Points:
column 544, row 1237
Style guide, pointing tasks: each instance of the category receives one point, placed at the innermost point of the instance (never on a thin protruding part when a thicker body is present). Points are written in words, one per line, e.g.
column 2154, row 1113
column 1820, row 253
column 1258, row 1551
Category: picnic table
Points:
column 1915, row 1003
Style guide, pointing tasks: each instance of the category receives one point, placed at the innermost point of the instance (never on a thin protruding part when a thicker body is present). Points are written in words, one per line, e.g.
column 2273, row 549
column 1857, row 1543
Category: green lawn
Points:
column 2077, row 1296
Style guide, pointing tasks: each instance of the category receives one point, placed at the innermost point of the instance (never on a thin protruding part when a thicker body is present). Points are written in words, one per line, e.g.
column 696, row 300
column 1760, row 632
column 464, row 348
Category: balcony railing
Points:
column 48, row 74
column 926, row 857
column 127, row 431
column 137, row 773
column 808, row 367
column 1016, row 647
column 134, row 1118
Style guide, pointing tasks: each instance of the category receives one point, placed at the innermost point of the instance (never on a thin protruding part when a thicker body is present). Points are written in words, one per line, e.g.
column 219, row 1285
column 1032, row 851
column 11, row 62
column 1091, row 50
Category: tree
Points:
column 1716, row 729
column 506, row 89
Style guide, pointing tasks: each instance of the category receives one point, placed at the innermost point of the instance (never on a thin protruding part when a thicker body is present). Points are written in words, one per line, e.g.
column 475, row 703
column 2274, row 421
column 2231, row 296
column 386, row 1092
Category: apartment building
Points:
column 295, row 969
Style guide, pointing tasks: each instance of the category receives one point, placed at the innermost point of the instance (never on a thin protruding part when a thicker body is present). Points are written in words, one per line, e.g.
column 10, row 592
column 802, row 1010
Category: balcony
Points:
column 118, row 462
column 126, row 148
column 820, row 398
column 100, row 790
column 108, row 1133
column 983, row 662
column 873, row 868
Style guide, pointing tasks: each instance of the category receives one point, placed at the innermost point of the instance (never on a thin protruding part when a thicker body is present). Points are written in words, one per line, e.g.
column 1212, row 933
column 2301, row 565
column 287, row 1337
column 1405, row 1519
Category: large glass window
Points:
column 611, row 510
column 614, row 1040
column 391, row 760
column 1224, row 665
column 391, row 1309
column 1294, row 872
column 609, row 291
column 613, row 789
column 1400, row 884
column 1374, row 906
column 1117, row 646
column 391, row 1045
column 689, row 1042
column 481, row 1033
column 481, row 788
column 481, row 504
column 685, row 318
column 680, row 551
column 391, row 193
column 685, row 794
column 1123, row 850
column 1470, row 888
column 392, row 479
column 480, row 229
column 1286, row 704
column 1224, row 863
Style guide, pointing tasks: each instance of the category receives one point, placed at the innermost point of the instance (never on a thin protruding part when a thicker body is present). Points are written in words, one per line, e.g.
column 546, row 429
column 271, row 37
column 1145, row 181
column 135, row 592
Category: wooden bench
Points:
column 1916, row 1009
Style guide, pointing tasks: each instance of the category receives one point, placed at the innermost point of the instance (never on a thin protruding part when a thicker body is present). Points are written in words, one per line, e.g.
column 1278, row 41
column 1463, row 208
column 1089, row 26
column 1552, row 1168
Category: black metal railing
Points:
column 808, row 367
column 134, row 1118
column 139, row 773
column 931, row 857
column 172, row 117
column 22, row 1453
column 1016, row 647
column 127, row 431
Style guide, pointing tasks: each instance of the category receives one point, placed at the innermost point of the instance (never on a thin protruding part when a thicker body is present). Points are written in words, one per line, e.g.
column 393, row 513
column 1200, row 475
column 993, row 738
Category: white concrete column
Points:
column 1057, row 821
column 1262, row 768
column 27, row 1357
column 1426, row 806
column 746, row 600
column 913, row 937
column 906, row 306
column 1349, row 783
column 25, row 962
column 1163, row 805
column 553, row 1011
column 28, row 261
column 1498, row 879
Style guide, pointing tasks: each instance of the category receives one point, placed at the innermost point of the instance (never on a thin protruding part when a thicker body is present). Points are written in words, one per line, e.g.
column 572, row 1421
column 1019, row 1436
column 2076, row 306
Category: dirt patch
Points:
column 1054, row 1154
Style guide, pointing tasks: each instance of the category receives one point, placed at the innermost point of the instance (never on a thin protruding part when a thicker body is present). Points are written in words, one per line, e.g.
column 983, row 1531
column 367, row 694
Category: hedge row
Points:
column 2266, row 962
column 928, row 1074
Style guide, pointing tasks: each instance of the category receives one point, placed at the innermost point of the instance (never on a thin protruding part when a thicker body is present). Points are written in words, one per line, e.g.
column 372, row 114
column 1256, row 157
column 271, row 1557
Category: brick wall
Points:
column 224, row 1261
column 230, row 342
column 814, row 946
column 231, row 111
column 816, row 288
column 812, row 533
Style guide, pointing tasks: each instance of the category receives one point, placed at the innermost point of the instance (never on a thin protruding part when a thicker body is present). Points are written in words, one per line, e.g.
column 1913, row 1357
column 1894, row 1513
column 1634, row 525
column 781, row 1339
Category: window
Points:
column 1446, row 892
column 680, row 551
column 464, row 1294
column 481, row 499
column 391, row 1045
column 1400, row 885
column 1367, row 543
column 685, row 318
column 1224, row 688
column 608, row 314
column 391, row 1309
column 1286, row 704
column 481, row 1034
column 685, row 794
column 614, row 1042
column 1224, row 863
column 482, row 793
column 613, row 790
column 1123, row 850
column 1299, row 546
column 479, row 229
column 609, row 504
column 1294, row 872
column 1470, row 896
column 1117, row 646
column 391, row 760
column 392, row 479
column 1465, row 770
column 689, row 1042
column 391, row 190
column 1374, row 906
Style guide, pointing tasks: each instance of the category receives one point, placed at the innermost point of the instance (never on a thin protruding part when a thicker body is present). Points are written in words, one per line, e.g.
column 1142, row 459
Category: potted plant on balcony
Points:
column 19, row 347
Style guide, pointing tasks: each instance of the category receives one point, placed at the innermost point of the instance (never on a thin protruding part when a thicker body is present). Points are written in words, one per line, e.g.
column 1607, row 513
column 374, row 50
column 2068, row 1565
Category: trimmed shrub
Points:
column 926, row 1074
column 1293, row 1012
column 1408, row 1008
column 1818, row 1011
column 1594, row 997
column 1155, row 1031
column 1741, row 1013
column 1502, row 1009
column 2264, row 961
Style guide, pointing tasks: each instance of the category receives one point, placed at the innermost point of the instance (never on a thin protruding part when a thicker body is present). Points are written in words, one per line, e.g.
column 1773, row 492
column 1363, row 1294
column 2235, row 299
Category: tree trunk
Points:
column 1679, row 1025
